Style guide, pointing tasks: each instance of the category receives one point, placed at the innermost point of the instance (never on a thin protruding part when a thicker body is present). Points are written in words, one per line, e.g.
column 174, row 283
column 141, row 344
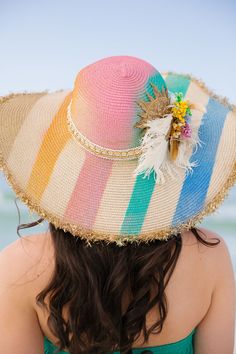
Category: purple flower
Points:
column 186, row 131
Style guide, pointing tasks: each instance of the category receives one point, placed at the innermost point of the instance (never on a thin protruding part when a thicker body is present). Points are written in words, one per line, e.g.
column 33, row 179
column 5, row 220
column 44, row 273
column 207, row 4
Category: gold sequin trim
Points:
column 126, row 154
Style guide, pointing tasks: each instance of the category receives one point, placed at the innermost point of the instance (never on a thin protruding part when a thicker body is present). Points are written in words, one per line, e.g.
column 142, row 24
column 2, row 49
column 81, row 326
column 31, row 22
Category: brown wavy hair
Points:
column 93, row 280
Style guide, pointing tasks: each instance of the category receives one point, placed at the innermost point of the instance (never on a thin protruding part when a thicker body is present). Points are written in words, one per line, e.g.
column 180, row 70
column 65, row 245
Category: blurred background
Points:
column 44, row 44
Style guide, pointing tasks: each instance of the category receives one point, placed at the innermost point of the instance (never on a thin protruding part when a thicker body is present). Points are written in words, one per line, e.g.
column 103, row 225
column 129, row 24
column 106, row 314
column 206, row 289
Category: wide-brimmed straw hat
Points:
column 128, row 154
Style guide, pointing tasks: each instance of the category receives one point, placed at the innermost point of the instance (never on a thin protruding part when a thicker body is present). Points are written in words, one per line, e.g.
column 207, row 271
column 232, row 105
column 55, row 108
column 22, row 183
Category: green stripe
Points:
column 143, row 187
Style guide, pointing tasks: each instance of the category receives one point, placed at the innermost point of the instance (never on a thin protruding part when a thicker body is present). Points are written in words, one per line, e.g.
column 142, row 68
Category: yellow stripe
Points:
column 54, row 141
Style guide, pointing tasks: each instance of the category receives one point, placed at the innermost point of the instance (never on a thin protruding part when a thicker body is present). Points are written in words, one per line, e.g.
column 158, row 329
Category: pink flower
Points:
column 186, row 131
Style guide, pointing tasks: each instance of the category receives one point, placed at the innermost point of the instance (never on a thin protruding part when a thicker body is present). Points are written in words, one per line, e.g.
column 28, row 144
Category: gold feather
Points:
column 156, row 107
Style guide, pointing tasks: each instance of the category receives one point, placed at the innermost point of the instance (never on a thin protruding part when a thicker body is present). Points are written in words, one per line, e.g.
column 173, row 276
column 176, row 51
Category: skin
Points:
column 201, row 294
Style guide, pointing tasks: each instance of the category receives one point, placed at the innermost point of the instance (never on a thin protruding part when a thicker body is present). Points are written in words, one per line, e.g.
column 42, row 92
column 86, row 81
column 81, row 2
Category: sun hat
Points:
column 128, row 154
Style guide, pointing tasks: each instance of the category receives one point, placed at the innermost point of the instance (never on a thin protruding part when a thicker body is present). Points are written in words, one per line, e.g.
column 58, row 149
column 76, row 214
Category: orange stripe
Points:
column 49, row 151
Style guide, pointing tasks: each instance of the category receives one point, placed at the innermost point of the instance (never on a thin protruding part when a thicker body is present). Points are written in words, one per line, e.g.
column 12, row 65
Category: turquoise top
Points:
column 183, row 346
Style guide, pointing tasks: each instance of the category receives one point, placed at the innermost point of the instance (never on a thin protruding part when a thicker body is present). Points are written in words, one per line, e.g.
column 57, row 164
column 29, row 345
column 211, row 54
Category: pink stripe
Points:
column 84, row 202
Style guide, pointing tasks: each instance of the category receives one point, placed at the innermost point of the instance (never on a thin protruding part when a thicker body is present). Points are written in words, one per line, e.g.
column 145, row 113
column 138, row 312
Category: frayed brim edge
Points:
column 122, row 239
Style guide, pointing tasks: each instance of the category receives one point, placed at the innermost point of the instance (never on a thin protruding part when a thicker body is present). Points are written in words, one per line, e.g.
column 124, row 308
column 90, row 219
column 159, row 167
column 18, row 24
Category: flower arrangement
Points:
column 181, row 114
column 166, row 120
column 180, row 125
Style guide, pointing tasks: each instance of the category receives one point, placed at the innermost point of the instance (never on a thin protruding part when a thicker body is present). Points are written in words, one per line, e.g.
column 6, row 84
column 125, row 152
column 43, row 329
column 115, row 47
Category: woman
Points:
column 123, row 266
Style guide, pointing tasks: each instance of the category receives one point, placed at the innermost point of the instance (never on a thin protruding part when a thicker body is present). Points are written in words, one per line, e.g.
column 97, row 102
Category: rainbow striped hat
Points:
column 71, row 155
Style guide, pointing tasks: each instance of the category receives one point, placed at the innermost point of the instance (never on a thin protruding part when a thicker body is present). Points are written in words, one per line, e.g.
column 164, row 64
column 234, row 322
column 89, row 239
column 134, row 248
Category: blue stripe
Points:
column 143, row 187
column 195, row 186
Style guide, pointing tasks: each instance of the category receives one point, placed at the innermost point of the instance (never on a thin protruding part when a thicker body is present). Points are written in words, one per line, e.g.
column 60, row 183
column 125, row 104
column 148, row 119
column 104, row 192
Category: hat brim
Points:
column 99, row 199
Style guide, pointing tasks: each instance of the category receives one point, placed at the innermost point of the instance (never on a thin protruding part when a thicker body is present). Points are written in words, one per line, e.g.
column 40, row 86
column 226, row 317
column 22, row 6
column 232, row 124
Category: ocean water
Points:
column 223, row 221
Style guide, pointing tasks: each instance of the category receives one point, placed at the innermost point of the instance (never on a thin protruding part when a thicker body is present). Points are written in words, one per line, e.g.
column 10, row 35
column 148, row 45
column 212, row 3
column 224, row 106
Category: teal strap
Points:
column 183, row 346
column 49, row 348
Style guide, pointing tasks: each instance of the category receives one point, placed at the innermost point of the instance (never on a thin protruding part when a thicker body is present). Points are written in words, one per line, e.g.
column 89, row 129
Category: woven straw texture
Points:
column 98, row 198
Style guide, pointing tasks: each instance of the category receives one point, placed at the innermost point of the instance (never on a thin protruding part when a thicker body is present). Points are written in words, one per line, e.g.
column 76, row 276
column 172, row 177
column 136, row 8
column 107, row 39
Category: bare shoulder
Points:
column 24, row 260
column 215, row 332
column 23, row 265
column 217, row 242
column 216, row 250
column 214, row 258
column 220, row 258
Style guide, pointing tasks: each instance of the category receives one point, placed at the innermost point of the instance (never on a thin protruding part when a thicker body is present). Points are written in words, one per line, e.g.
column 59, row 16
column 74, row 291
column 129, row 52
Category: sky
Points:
column 44, row 44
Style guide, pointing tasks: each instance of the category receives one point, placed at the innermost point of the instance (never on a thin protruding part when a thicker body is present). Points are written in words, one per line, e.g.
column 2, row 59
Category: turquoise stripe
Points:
column 138, row 205
column 143, row 187
column 195, row 186
column 177, row 83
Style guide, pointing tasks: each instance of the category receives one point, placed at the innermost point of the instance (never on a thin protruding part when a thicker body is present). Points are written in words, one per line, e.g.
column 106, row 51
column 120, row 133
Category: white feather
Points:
column 155, row 152
column 154, row 147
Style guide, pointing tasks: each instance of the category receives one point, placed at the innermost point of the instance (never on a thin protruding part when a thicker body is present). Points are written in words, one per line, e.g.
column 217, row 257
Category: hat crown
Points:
column 104, row 100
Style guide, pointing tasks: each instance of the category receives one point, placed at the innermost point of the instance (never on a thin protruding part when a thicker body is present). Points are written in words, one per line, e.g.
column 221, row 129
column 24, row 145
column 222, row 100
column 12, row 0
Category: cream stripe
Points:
column 226, row 147
column 116, row 196
column 27, row 140
column 12, row 115
column 155, row 219
column 63, row 178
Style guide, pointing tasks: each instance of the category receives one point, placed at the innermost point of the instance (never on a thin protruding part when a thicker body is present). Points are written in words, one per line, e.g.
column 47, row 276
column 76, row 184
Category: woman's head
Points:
column 80, row 175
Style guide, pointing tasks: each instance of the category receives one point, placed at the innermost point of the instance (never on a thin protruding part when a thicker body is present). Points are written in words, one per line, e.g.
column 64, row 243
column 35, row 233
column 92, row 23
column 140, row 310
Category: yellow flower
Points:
column 179, row 111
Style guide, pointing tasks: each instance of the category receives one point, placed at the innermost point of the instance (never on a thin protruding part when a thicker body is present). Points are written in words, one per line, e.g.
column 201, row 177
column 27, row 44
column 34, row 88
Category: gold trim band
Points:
column 127, row 154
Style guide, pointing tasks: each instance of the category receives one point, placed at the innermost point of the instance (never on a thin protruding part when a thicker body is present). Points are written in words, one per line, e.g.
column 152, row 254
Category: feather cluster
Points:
column 170, row 135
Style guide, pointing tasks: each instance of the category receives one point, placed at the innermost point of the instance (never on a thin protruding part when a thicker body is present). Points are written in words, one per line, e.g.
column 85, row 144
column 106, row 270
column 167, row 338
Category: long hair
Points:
column 93, row 282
